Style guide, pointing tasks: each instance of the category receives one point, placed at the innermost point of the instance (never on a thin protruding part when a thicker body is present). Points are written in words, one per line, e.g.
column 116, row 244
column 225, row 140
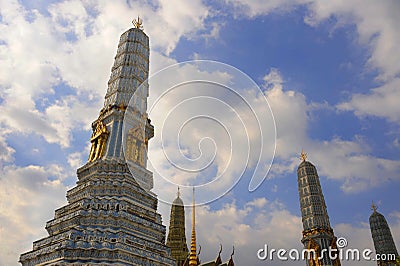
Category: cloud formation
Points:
column 28, row 197
column 348, row 161
column 376, row 29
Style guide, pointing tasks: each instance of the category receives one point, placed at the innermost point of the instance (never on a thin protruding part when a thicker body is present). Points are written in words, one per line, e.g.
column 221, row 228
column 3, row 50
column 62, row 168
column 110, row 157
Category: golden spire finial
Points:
column 303, row 156
column 192, row 254
column 374, row 207
column 178, row 193
column 138, row 23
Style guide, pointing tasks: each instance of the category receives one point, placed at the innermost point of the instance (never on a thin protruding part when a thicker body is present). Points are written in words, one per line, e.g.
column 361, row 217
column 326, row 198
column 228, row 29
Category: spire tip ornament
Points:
column 303, row 156
column 138, row 23
column 374, row 207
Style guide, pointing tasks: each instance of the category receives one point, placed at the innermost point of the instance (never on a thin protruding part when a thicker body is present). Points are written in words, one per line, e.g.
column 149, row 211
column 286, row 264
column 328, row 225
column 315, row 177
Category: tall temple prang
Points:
column 384, row 245
column 176, row 240
column 111, row 217
column 317, row 232
column 192, row 259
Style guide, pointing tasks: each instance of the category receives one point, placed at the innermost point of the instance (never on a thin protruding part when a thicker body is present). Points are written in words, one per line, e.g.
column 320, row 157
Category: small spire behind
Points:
column 303, row 155
column 138, row 23
column 178, row 193
column 374, row 207
column 193, row 257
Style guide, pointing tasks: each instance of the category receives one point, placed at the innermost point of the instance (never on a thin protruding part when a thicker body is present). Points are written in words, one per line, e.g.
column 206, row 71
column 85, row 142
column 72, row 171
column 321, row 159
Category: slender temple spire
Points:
column 383, row 239
column 317, row 232
column 193, row 255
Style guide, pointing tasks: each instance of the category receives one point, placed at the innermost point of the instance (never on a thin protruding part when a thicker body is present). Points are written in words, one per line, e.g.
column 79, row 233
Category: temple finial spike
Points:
column 374, row 207
column 178, row 193
column 303, row 155
column 138, row 23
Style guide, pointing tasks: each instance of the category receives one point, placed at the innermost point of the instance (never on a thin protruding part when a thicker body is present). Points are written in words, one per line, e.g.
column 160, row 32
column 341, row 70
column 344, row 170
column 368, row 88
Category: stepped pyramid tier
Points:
column 382, row 237
column 111, row 217
column 317, row 232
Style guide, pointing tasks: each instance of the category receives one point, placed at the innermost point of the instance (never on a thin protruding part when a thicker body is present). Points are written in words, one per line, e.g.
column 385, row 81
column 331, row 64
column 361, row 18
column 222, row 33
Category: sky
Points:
column 329, row 71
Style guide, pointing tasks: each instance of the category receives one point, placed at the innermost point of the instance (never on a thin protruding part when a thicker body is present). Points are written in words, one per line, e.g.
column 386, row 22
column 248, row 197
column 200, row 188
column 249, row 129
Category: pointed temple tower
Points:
column 176, row 240
column 317, row 231
column 110, row 219
column 382, row 237
column 193, row 258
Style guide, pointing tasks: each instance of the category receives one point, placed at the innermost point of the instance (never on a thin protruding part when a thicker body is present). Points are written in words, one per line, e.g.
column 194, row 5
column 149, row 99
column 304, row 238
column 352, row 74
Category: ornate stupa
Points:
column 383, row 240
column 317, row 232
column 176, row 240
column 111, row 217
column 193, row 258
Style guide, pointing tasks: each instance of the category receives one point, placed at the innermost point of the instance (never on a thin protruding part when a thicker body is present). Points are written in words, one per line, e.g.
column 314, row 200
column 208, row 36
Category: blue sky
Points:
column 330, row 72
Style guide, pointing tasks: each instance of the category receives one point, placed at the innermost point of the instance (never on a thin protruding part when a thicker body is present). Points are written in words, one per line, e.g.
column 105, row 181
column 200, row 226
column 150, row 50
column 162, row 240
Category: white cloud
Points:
column 77, row 159
column 290, row 112
column 55, row 123
column 273, row 78
column 172, row 22
column 382, row 102
column 74, row 44
column 28, row 197
column 216, row 143
column 258, row 203
column 396, row 143
column 248, row 228
column 6, row 152
column 348, row 161
column 376, row 25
